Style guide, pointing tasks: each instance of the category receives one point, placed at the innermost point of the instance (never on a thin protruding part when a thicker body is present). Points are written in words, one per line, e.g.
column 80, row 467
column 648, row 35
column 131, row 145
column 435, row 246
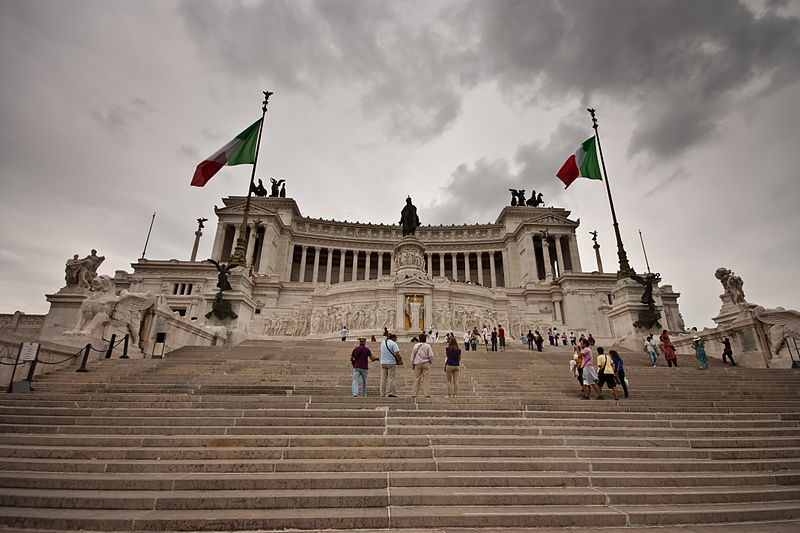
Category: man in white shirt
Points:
column 421, row 360
column 650, row 348
column 466, row 341
column 389, row 352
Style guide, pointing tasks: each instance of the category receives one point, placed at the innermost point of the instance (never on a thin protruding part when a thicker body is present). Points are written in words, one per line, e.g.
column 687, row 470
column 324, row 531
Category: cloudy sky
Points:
column 107, row 106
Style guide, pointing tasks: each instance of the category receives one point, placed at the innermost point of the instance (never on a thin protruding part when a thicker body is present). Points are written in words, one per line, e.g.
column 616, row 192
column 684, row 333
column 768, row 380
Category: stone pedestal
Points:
column 409, row 258
column 65, row 308
column 624, row 313
column 241, row 299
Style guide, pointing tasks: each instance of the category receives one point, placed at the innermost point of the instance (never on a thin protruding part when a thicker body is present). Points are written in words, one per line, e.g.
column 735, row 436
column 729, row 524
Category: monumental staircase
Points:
column 267, row 436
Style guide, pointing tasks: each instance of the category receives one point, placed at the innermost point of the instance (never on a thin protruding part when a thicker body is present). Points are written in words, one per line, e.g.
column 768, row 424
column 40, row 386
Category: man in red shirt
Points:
column 501, row 334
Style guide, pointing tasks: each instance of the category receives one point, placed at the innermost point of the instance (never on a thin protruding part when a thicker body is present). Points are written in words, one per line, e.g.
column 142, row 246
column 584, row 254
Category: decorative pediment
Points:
column 552, row 220
column 413, row 283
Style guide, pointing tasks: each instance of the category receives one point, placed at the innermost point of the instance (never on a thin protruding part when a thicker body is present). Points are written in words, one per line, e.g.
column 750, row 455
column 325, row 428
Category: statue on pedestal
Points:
column 222, row 274
column 259, row 190
column 275, row 189
column 732, row 285
column 649, row 317
column 81, row 272
column 412, row 309
column 409, row 219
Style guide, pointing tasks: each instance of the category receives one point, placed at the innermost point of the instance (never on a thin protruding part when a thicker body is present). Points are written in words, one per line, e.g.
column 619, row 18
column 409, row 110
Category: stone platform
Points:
column 267, row 436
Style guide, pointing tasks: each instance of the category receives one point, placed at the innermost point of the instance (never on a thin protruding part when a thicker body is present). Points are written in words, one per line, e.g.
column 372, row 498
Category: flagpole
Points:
column 646, row 262
column 625, row 270
column 239, row 254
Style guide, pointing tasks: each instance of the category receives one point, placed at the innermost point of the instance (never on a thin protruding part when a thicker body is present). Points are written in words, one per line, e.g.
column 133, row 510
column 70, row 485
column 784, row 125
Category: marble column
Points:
column 341, row 265
column 315, row 275
column 454, row 258
column 219, row 240
column 251, row 244
column 391, row 264
column 380, row 264
column 290, row 263
column 367, row 265
column 574, row 256
column 466, row 267
column 548, row 266
column 557, row 307
column 302, row 277
column 559, row 255
column 441, row 265
column 492, row 271
column 262, row 262
column 236, row 232
column 329, row 267
column 480, row 268
column 506, row 268
column 354, row 273
column 430, row 264
column 534, row 261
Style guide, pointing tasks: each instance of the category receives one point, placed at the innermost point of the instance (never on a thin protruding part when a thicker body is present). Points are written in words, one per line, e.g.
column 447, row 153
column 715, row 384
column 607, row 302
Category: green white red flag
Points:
column 239, row 151
column 582, row 163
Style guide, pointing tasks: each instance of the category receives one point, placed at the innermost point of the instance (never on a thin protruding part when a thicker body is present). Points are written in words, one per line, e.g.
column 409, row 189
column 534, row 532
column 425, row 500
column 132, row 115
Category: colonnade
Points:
column 550, row 256
column 338, row 265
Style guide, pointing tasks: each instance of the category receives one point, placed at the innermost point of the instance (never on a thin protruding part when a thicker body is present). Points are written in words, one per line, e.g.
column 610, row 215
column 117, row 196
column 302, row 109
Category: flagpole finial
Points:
column 594, row 120
column 267, row 94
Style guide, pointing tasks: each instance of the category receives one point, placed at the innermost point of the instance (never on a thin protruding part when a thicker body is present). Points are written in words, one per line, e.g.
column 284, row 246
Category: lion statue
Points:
column 782, row 323
column 103, row 306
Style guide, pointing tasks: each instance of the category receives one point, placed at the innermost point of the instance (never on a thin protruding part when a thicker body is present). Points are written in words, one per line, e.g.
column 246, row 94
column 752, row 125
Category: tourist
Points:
column 664, row 337
column 344, row 333
column 473, row 339
column 385, row 332
column 486, row 337
column 432, row 334
column 467, row 337
column 494, row 339
column 700, row 353
column 572, row 338
column 669, row 353
column 650, row 349
column 539, row 340
column 619, row 370
column 591, row 340
column 589, row 373
column 564, row 338
column 373, row 339
column 531, row 337
column 550, row 335
column 390, row 358
column 576, row 366
column 360, row 359
column 727, row 351
column 501, row 336
column 582, row 337
column 452, row 367
column 421, row 360
column 606, row 370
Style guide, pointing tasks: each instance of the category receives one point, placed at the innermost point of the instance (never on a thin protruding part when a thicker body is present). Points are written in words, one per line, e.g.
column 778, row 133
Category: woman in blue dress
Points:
column 700, row 353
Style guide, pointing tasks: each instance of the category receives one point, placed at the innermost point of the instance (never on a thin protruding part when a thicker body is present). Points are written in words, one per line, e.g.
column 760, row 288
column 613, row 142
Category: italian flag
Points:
column 581, row 164
column 240, row 151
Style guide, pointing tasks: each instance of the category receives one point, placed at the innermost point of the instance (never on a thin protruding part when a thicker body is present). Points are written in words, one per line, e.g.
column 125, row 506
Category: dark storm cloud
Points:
column 684, row 66
column 474, row 191
column 399, row 70
column 118, row 119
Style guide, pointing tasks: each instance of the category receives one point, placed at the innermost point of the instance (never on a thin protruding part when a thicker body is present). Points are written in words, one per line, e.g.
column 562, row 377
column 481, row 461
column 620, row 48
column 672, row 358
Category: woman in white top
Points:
column 421, row 360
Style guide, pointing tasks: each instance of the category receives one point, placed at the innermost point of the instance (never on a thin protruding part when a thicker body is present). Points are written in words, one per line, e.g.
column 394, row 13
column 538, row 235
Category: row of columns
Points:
column 356, row 254
column 453, row 272
column 549, row 271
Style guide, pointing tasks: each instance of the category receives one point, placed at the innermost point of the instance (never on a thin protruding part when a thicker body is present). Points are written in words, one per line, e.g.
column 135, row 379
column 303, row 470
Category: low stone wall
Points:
column 51, row 357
